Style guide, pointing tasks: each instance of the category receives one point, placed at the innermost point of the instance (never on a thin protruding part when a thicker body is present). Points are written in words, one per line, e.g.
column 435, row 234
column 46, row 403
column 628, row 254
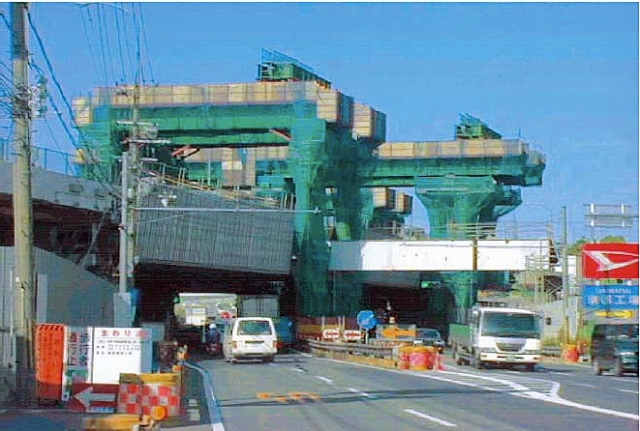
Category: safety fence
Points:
column 387, row 354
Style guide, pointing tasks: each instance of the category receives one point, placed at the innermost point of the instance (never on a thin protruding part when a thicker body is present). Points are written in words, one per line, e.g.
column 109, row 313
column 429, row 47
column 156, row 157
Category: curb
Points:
column 215, row 417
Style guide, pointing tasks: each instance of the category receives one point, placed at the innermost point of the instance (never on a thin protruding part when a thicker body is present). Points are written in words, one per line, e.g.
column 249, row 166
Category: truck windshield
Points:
column 511, row 325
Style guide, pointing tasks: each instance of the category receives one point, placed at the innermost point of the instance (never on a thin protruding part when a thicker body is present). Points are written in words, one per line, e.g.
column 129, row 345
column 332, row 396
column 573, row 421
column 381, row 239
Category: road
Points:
column 299, row 392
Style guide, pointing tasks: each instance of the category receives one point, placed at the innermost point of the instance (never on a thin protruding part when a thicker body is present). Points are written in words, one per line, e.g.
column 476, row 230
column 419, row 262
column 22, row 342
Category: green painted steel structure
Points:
column 329, row 164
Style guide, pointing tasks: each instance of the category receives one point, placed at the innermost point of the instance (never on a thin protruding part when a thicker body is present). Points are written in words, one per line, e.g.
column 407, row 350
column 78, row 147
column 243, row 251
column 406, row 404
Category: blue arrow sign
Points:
column 366, row 319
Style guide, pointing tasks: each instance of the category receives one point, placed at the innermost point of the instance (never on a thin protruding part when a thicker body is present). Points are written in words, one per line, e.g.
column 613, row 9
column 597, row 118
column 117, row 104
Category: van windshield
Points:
column 511, row 325
column 254, row 327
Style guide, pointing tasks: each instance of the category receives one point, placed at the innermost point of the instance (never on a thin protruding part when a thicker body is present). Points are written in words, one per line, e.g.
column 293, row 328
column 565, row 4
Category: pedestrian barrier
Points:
column 152, row 394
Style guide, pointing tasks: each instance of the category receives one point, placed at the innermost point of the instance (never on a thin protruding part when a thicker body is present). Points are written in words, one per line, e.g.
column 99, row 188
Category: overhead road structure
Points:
column 291, row 137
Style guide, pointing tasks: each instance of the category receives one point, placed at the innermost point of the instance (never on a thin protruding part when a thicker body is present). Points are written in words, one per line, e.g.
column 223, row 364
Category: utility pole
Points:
column 23, row 287
column 129, row 183
column 565, row 276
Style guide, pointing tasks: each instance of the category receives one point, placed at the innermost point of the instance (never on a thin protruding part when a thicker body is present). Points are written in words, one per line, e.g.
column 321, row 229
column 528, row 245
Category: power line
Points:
column 64, row 98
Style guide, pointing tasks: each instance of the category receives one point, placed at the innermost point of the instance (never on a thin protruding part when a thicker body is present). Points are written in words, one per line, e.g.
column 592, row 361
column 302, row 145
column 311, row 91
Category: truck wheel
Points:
column 530, row 367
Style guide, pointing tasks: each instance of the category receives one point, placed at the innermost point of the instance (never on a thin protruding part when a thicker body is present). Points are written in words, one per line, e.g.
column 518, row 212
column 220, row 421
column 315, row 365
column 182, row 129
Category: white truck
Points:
column 498, row 336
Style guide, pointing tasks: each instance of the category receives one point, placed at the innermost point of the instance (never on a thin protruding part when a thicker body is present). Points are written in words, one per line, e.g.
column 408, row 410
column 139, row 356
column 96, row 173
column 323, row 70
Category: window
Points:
column 254, row 327
column 511, row 325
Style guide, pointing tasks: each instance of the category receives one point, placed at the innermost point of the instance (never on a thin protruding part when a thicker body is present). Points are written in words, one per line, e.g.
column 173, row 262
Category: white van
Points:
column 250, row 338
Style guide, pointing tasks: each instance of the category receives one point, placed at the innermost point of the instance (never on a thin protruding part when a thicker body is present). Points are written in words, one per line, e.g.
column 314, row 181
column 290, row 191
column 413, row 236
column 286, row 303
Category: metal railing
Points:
column 45, row 158
column 381, row 351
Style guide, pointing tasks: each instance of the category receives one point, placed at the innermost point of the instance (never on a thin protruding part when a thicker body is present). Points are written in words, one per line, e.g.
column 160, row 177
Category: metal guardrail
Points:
column 386, row 351
column 552, row 351
column 352, row 348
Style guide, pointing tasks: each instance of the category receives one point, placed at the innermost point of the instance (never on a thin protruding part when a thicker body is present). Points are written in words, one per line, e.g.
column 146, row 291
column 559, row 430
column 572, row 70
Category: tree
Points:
column 576, row 248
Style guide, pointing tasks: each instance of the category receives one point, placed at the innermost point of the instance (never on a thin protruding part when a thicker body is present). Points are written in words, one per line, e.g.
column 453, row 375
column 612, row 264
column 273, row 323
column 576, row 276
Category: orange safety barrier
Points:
column 146, row 393
column 570, row 353
column 404, row 357
column 49, row 349
column 437, row 363
column 420, row 358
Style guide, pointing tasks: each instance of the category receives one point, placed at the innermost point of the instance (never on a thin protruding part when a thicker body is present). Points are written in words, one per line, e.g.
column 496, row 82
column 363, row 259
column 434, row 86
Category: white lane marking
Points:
column 326, row 380
column 619, row 379
column 553, row 398
column 431, row 418
column 559, row 373
column 523, row 391
column 362, row 394
column 585, row 385
column 627, row 390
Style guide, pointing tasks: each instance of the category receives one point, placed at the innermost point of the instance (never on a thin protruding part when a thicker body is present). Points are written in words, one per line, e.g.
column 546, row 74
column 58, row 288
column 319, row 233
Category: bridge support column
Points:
column 463, row 286
column 456, row 205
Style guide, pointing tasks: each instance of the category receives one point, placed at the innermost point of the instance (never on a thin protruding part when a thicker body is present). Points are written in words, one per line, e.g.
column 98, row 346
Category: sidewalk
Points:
column 195, row 412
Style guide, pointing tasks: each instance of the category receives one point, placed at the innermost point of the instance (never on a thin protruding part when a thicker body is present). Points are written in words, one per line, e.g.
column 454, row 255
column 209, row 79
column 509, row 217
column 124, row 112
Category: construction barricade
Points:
column 404, row 357
column 155, row 394
column 49, row 355
column 421, row 358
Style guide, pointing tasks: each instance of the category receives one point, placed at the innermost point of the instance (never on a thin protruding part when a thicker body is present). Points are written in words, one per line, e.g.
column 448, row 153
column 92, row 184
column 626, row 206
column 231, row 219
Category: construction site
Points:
column 246, row 187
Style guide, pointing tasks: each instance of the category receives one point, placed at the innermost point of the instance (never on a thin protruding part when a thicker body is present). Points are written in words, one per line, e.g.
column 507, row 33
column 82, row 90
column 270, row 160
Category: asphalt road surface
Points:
column 299, row 392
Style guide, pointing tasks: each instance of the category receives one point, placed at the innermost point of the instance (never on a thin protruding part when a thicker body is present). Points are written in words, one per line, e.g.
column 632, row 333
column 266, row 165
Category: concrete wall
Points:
column 556, row 311
column 60, row 189
column 66, row 294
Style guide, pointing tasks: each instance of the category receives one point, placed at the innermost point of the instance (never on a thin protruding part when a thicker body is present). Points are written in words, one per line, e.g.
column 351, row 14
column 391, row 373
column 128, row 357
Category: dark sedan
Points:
column 429, row 337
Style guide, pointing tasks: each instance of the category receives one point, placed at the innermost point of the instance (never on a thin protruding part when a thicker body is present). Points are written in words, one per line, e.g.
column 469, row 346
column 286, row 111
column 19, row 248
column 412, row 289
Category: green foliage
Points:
column 576, row 248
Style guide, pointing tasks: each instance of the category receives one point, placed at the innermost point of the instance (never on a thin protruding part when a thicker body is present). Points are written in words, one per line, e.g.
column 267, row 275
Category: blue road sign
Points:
column 366, row 319
column 610, row 297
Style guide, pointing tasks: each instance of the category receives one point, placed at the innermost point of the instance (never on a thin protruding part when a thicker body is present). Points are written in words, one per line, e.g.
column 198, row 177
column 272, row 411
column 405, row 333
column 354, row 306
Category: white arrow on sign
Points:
column 87, row 396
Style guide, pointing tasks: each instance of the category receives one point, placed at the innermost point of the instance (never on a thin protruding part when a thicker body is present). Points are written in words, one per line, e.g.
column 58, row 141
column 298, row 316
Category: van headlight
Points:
column 532, row 352
column 488, row 350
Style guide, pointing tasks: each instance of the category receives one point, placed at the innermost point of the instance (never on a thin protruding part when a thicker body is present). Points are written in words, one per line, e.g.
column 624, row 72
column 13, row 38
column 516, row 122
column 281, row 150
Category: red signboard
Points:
column 618, row 261
column 93, row 398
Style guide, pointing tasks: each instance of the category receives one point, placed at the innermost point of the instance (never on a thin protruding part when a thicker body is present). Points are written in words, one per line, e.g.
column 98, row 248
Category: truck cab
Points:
column 498, row 336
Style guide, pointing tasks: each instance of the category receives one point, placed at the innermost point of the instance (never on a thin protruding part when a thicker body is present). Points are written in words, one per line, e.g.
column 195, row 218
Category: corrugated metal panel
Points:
column 244, row 240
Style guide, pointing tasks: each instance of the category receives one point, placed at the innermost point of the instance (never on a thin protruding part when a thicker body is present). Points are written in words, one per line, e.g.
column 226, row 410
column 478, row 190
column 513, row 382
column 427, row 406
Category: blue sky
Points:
column 563, row 76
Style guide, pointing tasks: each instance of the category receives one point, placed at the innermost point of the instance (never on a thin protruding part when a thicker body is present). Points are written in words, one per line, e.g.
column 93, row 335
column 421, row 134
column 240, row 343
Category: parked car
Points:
column 429, row 337
column 614, row 347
